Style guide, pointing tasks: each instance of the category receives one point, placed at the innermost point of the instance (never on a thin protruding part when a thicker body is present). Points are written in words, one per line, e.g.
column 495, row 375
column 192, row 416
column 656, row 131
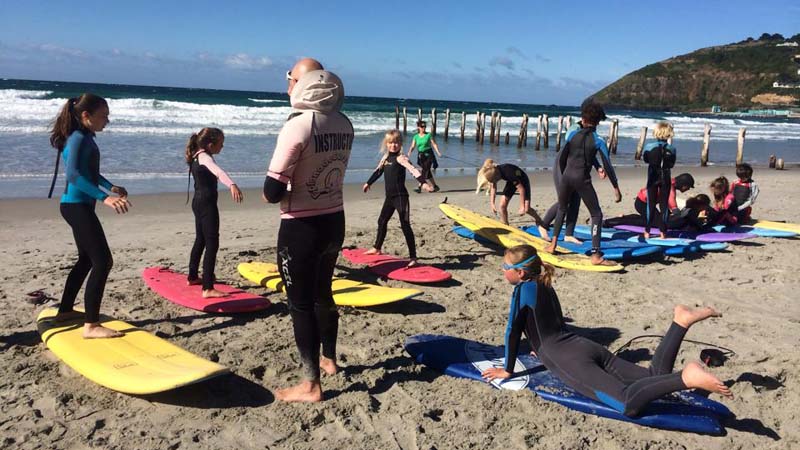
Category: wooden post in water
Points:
column 772, row 161
column 508, row 137
column 396, row 117
column 525, row 138
column 419, row 114
column 405, row 120
column 446, row 123
column 569, row 122
column 478, row 127
column 740, row 147
column 433, row 122
column 492, row 124
column 483, row 126
column 522, row 127
column 538, row 132
column 640, row 145
column 614, row 136
column 546, row 131
column 497, row 132
column 559, row 124
column 463, row 124
column 706, row 143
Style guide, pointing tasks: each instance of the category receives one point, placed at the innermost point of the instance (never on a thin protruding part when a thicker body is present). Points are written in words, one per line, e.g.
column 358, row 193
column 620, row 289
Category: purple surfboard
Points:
column 703, row 237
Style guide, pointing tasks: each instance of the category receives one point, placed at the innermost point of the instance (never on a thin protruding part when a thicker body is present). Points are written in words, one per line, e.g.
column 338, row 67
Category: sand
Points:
column 381, row 399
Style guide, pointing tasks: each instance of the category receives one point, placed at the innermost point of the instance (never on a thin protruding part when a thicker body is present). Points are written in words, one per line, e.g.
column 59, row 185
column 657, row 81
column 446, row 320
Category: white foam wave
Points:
column 264, row 100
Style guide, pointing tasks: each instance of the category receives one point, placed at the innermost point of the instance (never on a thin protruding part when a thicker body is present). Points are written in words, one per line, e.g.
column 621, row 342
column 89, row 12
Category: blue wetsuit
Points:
column 660, row 157
column 585, row 365
column 574, row 163
column 82, row 166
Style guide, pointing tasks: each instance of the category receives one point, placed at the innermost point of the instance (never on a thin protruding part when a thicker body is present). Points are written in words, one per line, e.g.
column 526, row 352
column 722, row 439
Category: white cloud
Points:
column 243, row 61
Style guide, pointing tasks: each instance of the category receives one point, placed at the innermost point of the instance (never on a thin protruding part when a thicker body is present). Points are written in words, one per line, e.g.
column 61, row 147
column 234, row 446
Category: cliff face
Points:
column 732, row 76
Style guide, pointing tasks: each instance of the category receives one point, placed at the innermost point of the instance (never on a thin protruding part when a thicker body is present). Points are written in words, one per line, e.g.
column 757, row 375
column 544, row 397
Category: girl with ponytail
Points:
column 73, row 136
column 206, row 173
column 585, row 365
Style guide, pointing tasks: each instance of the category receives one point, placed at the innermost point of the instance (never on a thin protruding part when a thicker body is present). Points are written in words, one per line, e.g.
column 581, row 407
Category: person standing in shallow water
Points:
column 425, row 145
column 305, row 175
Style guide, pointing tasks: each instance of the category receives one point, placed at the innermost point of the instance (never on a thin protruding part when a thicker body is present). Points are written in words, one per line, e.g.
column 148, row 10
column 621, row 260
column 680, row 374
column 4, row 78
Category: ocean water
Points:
column 143, row 145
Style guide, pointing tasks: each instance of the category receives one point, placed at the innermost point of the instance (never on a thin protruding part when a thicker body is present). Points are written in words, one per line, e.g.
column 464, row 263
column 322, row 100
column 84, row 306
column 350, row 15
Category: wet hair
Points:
column 698, row 202
column 69, row 118
column 490, row 171
column 663, row 131
column 684, row 180
column 391, row 136
column 592, row 112
column 534, row 270
column 720, row 188
column 421, row 123
column 744, row 171
column 202, row 140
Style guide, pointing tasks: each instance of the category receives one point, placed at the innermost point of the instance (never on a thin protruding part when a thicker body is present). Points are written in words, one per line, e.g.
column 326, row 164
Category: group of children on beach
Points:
column 586, row 366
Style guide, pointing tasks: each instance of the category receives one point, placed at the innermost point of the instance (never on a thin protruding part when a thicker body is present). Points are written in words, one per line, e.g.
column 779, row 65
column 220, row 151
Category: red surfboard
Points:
column 172, row 286
column 396, row 268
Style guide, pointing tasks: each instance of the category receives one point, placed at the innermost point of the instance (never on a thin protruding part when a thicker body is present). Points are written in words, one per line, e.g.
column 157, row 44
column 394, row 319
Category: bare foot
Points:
column 573, row 239
column 550, row 248
column 306, row 391
column 213, row 293
column 695, row 377
column 598, row 260
column 372, row 251
column 328, row 365
column 193, row 281
column 412, row 263
column 543, row 232
column 67, row 316
column 686, row 316
column 97, row 331
column 646, row 235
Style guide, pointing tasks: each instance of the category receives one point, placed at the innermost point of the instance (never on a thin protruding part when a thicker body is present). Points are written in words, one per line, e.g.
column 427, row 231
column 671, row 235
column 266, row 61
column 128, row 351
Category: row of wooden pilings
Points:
column 563, row 124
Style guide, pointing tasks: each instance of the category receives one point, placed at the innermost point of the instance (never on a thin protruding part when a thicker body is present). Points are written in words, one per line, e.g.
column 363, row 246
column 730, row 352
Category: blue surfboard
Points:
column 613, row 249
column 469, row 234
column 461, row 358
column 585, row 232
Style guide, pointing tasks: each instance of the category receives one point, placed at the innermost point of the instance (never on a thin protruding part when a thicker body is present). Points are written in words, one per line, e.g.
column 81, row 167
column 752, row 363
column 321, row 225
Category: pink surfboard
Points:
column 395, row 268
column 172, row 286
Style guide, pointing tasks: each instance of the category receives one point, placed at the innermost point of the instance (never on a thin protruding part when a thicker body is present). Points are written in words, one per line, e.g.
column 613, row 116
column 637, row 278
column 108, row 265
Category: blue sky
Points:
column 526, row 52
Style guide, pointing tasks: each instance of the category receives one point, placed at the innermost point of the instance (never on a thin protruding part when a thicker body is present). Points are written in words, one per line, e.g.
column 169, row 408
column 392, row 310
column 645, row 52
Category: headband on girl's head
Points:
column 519, row 265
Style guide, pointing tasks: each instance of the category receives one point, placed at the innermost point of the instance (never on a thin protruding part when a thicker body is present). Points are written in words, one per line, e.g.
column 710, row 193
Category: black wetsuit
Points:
column 660, row 158
column 206, row 224
column 575, row 163
column 574, row 201
column 514, row 176
column 394, row 175
column 584, row 365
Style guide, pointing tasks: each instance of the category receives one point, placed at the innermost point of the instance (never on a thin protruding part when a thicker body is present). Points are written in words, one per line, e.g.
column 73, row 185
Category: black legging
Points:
column 571, row 218
column 401, row 205
column 307, row 251
column 595, row 372
column 93, row 256
column 574, row 181
column 206, row 226
column 652, row 216
column 426, row 161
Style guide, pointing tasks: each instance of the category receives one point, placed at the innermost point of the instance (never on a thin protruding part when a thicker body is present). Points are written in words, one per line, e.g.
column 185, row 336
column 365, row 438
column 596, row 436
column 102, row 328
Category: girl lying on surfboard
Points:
column 393, row 167
column 73, row 135
column 199, row 150
column 585, row 365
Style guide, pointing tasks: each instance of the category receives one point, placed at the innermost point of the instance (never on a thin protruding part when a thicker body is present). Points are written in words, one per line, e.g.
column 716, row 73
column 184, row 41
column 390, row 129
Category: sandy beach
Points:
column 381, row 399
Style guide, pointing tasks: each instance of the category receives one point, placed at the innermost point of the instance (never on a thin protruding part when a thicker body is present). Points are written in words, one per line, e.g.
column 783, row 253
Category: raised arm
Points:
column 204, row 159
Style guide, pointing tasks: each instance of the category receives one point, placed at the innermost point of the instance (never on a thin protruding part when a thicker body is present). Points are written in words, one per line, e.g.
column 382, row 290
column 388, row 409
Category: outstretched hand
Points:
column 495, row 373
column 236, row 194
column 365, row 188
column 120, row 204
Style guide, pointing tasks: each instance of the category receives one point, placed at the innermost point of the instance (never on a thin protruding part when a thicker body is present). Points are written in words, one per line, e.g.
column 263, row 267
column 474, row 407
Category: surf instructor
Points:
column 305, row 175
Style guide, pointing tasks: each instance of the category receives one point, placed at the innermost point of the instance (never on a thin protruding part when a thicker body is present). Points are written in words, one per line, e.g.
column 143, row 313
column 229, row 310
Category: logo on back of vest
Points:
column 328, row 178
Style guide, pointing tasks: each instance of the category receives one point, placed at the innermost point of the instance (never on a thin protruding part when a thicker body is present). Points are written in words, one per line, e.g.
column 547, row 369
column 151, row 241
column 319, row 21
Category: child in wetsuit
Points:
column 660, row 158
column 745, row 192
column 647, row 209
column 425, row 145
column 516, row 181
column 584, row 365
column 393, row 167
column 199, row 156
column 73, row 135
column 692, row 217
column 723, row 205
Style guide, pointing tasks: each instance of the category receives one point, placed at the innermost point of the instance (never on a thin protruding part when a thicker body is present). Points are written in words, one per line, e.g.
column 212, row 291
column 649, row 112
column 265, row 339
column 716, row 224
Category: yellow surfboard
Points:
column 137, row 363
column 776, row 225
column 345, row 292
column 509, row 236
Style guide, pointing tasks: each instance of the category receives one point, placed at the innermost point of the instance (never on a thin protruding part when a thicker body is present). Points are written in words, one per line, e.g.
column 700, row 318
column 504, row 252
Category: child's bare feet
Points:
column 598, row 260
column 328, row 365
column 373, row 251
column 306, row 391
column 412, row 263
column 646, row 235
column 686, row 316
column 550, row 248
column 97, row 331
column 573, row 239
column 213, row 293
column 193, row 281
column 695, row 377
